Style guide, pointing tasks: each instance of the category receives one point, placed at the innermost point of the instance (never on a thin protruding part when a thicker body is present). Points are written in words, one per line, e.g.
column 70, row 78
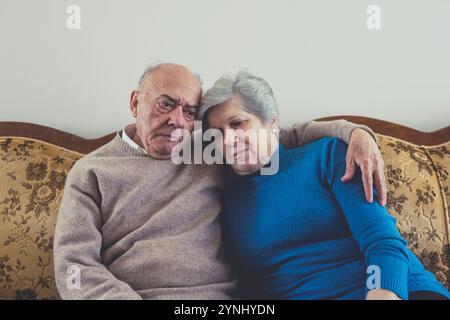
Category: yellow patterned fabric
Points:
column 416, row 177
column 32, row 176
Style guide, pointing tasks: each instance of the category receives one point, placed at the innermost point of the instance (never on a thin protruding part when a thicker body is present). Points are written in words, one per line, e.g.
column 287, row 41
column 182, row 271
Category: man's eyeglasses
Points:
column 166, row 104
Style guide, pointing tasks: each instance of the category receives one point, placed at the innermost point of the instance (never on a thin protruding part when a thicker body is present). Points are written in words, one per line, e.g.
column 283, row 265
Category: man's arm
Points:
column 79, row 271
column 305, row 132
column 362, row 151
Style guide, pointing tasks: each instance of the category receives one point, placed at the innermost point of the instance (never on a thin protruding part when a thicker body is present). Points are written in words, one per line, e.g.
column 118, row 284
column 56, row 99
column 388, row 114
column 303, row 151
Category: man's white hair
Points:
column 154, row 66
column 254, row 92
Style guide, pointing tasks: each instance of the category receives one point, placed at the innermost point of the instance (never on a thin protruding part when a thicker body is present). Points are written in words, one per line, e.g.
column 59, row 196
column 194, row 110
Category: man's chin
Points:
column 163, row 151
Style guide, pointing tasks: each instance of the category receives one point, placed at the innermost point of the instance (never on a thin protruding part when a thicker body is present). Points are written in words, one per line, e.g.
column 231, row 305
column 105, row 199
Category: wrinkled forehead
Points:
column 178, row 85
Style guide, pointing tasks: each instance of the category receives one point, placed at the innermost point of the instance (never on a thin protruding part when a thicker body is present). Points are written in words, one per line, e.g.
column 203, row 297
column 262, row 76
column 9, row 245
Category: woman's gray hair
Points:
column 255, row 93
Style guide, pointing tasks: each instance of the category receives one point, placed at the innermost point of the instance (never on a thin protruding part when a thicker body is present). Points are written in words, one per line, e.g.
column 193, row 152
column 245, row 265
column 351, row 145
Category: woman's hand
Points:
column 381, row 294
column 363, row 151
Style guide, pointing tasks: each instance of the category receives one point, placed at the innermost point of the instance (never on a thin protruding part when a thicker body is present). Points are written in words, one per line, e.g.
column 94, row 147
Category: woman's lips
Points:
column 239, row 152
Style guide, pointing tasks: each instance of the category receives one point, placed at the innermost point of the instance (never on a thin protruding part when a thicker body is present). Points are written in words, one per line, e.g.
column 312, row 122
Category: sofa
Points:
column 35, row 161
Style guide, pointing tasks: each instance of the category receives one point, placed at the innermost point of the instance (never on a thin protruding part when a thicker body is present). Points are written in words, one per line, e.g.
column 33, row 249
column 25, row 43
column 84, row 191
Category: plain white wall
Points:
column 318, row 55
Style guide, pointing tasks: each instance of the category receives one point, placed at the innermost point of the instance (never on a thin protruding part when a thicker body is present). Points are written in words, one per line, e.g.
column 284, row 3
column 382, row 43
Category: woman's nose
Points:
column 230, row 137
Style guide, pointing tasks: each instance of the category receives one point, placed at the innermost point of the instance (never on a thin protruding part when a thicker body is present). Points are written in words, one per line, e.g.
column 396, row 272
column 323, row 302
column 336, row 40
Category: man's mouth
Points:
column 172, row 137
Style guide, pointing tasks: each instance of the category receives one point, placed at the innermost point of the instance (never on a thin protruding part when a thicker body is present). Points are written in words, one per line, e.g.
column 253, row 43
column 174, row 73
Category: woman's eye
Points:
column 238, row 124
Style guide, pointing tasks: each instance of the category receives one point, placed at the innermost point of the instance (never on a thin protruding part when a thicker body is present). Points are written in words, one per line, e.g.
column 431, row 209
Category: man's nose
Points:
column 177, row 117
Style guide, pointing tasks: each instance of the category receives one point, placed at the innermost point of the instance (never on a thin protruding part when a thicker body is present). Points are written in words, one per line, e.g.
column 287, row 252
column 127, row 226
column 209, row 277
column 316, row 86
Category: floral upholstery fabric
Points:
column 32, row 176
column 416, row 177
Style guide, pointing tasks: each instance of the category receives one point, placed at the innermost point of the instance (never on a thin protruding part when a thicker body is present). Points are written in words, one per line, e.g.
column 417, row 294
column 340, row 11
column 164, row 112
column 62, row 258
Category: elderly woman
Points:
column 302, row 233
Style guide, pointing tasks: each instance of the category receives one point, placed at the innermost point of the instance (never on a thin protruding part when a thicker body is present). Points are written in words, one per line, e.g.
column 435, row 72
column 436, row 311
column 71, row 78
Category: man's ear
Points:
column 134, row 103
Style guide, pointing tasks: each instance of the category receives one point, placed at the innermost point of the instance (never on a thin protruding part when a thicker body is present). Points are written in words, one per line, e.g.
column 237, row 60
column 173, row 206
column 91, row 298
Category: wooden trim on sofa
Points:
column 53, row 136
column 82, row 145
column 398, row 131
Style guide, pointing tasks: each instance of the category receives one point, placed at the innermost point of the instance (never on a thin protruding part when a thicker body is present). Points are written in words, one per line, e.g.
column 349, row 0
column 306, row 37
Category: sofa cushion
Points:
column 416, row 176
column 32, row 176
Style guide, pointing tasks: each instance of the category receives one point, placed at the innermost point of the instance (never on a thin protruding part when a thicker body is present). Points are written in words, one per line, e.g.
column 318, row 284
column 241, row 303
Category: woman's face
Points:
column 248, row 142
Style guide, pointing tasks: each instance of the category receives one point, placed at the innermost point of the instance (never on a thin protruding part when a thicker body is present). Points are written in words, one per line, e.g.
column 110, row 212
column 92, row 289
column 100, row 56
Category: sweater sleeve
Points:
column 78, row 244
column 373, row 228
column 305, row 132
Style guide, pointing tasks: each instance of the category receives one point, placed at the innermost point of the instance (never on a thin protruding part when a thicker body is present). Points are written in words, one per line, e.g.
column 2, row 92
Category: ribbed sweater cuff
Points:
column 393, row 275
column 399, row 287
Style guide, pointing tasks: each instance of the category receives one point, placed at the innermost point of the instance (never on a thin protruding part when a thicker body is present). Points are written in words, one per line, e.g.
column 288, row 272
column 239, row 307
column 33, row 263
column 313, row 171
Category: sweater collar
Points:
column 257, row 177
column 126, row 147
column 130, row 130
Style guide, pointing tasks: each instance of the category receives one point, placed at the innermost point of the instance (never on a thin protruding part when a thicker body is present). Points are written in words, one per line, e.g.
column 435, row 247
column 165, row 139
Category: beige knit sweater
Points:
column 133, row 227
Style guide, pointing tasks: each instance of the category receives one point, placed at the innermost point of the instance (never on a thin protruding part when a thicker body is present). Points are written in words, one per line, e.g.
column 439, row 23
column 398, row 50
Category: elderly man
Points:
column 133, row 225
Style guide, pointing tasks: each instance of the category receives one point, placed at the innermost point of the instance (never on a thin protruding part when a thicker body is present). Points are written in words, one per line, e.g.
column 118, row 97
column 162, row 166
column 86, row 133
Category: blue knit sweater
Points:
column 304, row 234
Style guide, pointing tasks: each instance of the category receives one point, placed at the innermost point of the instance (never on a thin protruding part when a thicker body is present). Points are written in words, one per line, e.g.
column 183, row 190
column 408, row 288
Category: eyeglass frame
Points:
column 176, row 102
